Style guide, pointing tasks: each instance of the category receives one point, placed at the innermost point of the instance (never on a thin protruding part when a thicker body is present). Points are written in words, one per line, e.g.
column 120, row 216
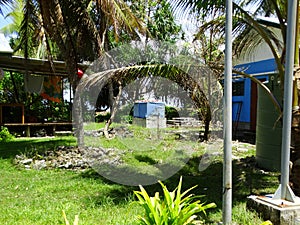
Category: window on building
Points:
column 238, row 88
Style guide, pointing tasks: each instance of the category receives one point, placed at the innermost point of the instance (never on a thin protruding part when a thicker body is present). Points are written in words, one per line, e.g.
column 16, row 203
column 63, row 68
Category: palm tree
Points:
column 16, row 15
column 69, row 24
column 81, row 30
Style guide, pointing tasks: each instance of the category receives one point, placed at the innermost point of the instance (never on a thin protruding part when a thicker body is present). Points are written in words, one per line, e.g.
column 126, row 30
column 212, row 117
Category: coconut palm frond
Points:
column 57, row 12
column 119, row 15
column 265, row 35
column 266, row 7
column 218, row 24
column 48, row 31
column 77, row 19
column 182, row 75
column 16, row 15
column 4, row 3
column 246, row 42
column 27, row 28
column 58, row 30
column 248, row 37
column 128, row 18
column 204, row 7
column 50, row 23
column 89, row 29
column 269, row 8
column 8, row 29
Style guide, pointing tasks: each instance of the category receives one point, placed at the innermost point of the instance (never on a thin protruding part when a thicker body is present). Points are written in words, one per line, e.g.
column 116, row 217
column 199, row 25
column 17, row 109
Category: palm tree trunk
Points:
column 114, row 107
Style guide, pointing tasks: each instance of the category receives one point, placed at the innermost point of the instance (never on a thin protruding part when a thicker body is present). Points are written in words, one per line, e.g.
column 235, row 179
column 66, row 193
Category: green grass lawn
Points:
column 38, row 197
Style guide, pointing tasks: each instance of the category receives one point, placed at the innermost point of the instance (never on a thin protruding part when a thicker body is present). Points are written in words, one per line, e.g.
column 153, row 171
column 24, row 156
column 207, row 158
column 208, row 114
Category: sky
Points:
column 4, row 21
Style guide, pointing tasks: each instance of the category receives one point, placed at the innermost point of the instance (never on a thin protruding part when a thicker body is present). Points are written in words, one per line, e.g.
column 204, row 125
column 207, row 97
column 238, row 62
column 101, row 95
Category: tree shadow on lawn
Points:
column 38, row 145
column 247, row 180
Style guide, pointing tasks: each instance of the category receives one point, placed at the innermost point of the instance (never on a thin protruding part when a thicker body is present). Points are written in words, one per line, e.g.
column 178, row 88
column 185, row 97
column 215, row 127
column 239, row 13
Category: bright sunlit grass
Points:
column 39, row 196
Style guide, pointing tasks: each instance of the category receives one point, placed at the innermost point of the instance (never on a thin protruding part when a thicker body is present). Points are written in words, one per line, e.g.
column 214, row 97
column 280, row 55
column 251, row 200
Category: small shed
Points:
column 149, row 114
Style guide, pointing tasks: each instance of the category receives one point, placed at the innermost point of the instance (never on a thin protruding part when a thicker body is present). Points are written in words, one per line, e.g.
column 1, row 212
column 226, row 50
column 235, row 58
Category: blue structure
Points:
column 149, row 114
column 147, row 109
column 244, row 96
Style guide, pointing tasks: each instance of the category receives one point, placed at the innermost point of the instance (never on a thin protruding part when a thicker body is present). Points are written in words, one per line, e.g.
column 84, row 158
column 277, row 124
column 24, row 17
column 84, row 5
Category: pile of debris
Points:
column 69, row 157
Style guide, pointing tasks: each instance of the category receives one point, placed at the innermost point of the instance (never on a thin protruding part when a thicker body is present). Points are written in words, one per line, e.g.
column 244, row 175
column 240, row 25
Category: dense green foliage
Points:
column 174, row 208
column 37, row 109
column 5, row 135
column 171, row 112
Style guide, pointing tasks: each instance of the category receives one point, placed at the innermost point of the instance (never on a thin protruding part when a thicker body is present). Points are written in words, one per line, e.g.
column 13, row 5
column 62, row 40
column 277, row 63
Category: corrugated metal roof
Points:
column 32, row 66
column 263, row 66
column 35, row 66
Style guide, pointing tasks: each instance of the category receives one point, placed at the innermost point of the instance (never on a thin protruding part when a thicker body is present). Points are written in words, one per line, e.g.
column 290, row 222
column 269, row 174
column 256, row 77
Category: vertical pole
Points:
column 288, row 96
column 227, row 165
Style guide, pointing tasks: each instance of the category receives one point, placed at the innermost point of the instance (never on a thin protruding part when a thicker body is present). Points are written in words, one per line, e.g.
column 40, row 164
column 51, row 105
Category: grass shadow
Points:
column 39, row 145
column 247, row 180
column 146, row 159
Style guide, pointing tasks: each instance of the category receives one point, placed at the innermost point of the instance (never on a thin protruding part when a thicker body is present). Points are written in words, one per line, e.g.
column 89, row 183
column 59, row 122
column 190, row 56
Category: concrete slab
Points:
column 278, row 211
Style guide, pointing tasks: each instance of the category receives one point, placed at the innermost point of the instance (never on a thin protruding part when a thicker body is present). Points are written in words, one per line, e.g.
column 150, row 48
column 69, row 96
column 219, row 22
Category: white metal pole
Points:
column 288, row 97
column 227, row 164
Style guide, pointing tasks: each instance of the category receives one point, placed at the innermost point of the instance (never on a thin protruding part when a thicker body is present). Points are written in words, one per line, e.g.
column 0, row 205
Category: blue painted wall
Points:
column 146, row 109
column 243, row 99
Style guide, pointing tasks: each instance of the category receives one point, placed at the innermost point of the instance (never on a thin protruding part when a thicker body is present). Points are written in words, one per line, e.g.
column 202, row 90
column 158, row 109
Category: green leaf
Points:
column 176, row 208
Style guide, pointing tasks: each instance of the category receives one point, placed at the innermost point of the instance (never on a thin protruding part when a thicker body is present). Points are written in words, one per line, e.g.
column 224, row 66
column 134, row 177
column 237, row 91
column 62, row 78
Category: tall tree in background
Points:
column 78, row 32
column 83, row 30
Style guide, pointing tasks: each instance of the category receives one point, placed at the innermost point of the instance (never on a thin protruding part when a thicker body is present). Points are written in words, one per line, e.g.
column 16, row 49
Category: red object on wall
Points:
column 79, row 73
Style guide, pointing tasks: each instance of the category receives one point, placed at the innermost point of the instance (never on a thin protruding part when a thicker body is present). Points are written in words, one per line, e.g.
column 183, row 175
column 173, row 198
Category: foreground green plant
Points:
column 175, row 208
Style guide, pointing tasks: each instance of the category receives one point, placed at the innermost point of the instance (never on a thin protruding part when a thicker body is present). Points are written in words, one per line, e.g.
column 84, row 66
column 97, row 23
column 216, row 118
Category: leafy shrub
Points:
column 124, row 114
column 171, row 112
column 127, row 119
column 5, row 135
column 175, row 208
column 102, row 117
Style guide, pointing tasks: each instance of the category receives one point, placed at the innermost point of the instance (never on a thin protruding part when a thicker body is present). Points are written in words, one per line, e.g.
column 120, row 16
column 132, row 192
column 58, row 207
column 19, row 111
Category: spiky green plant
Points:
column 174, row 208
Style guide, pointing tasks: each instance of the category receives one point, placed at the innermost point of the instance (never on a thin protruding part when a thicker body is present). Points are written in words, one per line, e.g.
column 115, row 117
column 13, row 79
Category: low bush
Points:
column 102, row 117
column 175, row 207
column 5, row 135
column 171, row 112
